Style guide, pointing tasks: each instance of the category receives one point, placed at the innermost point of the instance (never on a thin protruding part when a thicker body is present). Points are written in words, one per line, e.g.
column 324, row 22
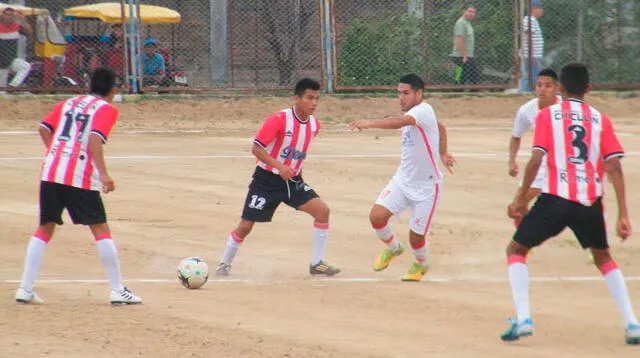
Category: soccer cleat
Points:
column 24, row 296
column 415, row 273
column 517, row 330
column 385, row 257
column 324, row 269
column 633, row 334
column 124, row 297
column 223, row 269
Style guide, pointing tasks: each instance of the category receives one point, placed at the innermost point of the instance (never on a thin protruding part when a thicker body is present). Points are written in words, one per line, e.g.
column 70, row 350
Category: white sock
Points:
column 618, row 288
column 233, row 244
column 319, row 242
column 32, row 260
column 519, row 280
column 108, row 254
column 385, row 234
column 421, row 253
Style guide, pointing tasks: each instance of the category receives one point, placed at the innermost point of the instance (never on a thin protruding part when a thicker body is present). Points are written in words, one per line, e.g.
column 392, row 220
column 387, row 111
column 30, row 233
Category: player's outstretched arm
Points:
column 97, row 153
column 613, row 168
column 285, row 172
column 514, row 147
column 46, row 136
column 447, row 158
column 394, row 122
column 518, row 208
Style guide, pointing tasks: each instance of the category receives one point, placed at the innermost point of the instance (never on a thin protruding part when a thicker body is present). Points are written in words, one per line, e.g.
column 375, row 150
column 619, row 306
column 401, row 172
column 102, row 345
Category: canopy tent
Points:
column 111, row 13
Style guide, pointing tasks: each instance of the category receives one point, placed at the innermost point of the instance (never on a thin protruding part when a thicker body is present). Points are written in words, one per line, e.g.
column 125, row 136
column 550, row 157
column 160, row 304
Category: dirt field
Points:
column 181, row 168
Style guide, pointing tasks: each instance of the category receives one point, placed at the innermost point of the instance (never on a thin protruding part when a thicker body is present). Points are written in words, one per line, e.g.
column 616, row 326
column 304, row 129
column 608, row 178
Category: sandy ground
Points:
column 182, row 166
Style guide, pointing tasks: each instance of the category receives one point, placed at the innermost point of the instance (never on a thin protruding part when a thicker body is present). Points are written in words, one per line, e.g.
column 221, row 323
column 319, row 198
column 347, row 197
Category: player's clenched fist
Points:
column 624, row 228
column 108, row 185
column 285, row 172
column 513, row 169
column 359, row 125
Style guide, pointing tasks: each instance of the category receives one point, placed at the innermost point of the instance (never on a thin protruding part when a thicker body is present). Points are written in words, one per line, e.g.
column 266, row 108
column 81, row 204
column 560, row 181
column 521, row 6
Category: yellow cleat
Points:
column 384, row 259
column 416, row 271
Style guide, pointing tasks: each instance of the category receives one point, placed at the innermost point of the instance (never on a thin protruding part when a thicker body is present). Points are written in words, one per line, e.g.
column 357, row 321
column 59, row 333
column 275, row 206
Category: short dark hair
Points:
column 469, row 4
column 547, row 72
column 414, row 81
column 574, row 77
column 306, row 84
column 102, row 81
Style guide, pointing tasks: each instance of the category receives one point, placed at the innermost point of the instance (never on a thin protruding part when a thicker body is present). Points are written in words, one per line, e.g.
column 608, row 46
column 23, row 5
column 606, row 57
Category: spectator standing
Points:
column 463, row 47
column 537, row 47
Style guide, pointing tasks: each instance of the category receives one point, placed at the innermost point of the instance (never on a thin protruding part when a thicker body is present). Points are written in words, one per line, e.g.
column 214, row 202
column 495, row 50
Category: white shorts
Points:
column 541, row 178
column 395, row 199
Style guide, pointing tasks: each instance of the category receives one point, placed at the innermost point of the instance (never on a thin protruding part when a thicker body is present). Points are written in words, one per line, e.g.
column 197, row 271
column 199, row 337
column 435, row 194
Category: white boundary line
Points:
column 333, row 279
column 229, row 130
column 320, row 156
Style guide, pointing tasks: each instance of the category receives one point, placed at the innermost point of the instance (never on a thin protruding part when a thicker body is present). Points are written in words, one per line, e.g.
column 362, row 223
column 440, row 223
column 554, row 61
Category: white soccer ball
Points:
column 193, row 272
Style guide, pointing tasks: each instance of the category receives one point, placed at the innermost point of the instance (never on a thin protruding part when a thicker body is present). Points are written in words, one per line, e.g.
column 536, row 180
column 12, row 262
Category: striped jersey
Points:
column 9, row 37
column 577, row 139
column 420, row 153
column 536, row 36
column 286, row 138
column 68, row 160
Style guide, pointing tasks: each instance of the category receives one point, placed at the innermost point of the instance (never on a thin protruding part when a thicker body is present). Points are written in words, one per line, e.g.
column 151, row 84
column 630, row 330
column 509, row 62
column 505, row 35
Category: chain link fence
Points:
column 603, row 34
column 378, row 43
column 268, row 44
column 273, row 43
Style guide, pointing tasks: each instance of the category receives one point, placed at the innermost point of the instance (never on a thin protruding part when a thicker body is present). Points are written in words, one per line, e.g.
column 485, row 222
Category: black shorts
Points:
column 84, row 206
column 551, row 214
column 268, row 190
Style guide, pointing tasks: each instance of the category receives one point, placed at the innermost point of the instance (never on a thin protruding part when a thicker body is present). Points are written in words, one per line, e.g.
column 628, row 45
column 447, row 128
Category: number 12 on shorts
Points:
column 257, row 202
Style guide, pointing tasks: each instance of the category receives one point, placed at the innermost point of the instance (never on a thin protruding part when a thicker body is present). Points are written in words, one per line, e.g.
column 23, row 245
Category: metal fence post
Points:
column 132, row 49
column 327, row 45
column 219, row 41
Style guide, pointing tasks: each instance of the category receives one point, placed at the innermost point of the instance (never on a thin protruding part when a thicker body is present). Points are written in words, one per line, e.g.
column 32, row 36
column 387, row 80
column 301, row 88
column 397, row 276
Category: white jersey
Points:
column 525, row 120
column 526, row 117
column 419, row 159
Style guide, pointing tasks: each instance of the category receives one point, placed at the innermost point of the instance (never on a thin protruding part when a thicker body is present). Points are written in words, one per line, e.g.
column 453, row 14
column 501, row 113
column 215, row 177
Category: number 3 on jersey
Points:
column 69, row 119
column 582, row 150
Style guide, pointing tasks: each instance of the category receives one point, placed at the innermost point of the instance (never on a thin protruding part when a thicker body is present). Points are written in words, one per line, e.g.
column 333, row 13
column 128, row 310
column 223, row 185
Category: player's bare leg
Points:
column 379, row 218
column 522, row 325
column 319, row 210
column 531, row 194
column 234, row 241
column 33, row 259
column 420, row 248
column 618, row 288
column 108, row 254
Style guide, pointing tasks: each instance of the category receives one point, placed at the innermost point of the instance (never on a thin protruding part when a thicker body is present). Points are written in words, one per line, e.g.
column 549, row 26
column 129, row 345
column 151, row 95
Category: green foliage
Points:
column 609, row 37
column 379, row 52
column 375, row 49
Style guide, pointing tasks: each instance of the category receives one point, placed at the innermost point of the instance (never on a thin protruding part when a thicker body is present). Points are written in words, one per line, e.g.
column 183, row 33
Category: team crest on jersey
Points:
column 292, row 153
column 407, row 141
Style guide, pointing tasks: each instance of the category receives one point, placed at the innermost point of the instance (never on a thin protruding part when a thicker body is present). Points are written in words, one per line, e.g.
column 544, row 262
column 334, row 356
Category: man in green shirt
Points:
column 463, row 47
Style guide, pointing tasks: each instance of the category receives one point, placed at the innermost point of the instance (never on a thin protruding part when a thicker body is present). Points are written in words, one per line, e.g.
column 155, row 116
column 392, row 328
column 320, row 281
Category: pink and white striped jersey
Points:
column 287, row 138
column 68, row 160
column 577, row 139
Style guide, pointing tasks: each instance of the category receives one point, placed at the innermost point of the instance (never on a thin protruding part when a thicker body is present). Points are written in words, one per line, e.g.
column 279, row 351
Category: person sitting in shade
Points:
column 154, row 69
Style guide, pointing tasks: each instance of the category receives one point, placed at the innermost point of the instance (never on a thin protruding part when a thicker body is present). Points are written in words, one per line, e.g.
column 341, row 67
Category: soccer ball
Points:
column 193, row 272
